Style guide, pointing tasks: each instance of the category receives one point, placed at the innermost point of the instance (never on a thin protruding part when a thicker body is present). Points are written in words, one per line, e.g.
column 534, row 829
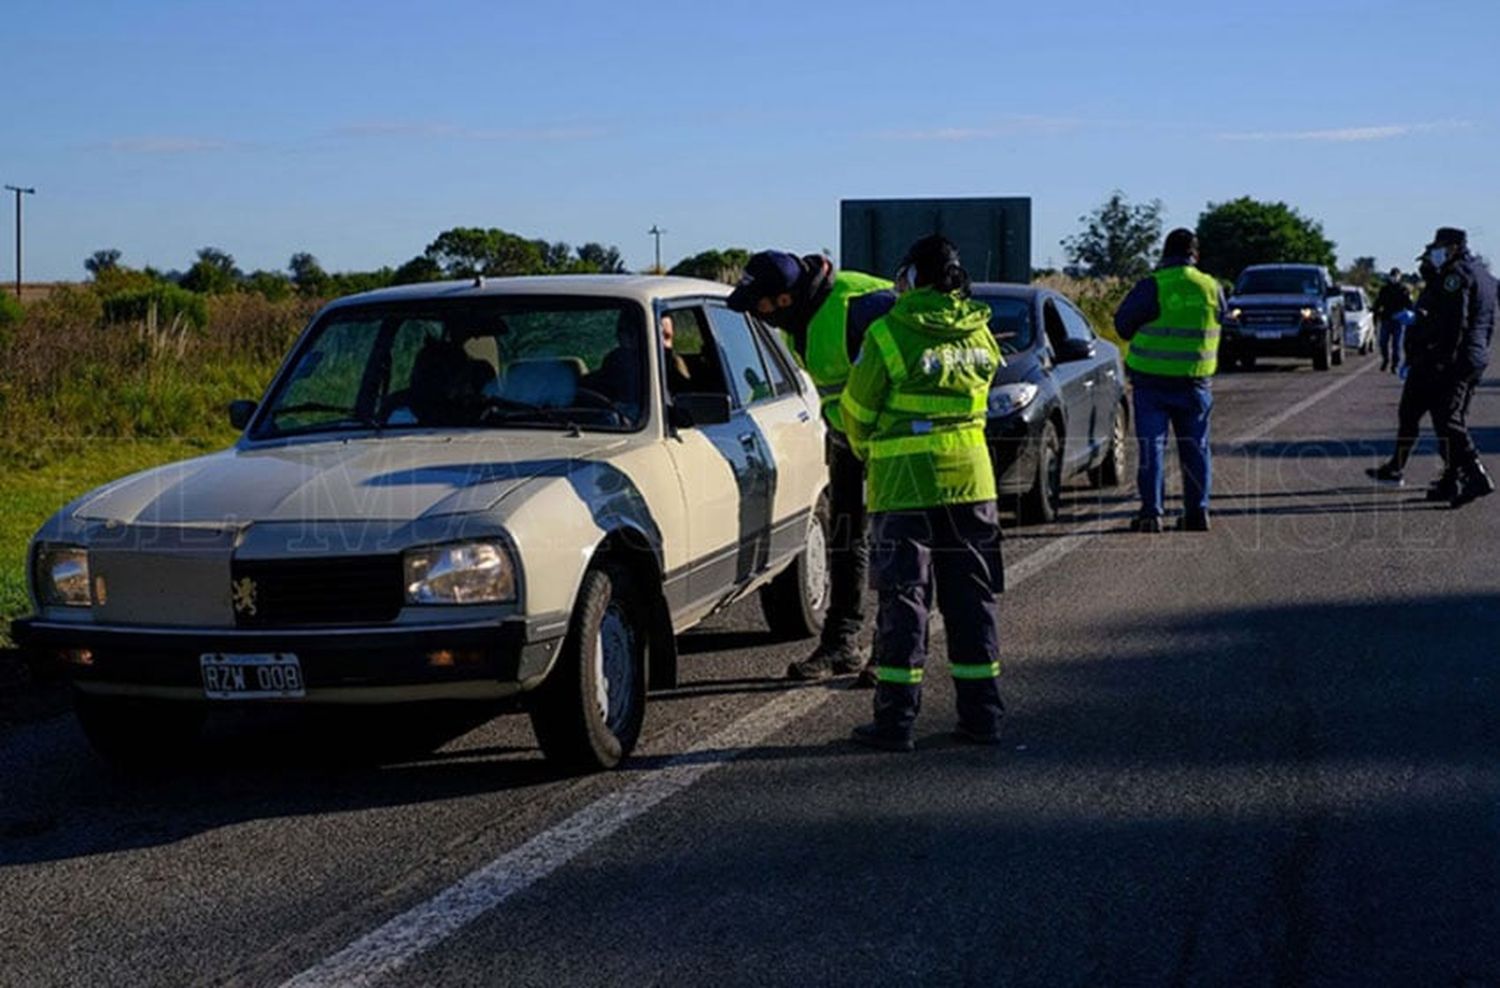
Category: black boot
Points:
column 1386, row 473
column 1445, row 488
column 1476, row 483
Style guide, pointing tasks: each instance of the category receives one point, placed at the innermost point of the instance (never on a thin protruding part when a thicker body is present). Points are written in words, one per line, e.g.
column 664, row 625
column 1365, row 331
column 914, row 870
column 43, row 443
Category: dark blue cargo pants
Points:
column 952, row 554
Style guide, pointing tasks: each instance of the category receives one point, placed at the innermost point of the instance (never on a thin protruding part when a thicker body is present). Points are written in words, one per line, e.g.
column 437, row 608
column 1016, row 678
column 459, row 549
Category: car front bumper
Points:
column 479, row 661
column 1015, row 441
column 1300, row 342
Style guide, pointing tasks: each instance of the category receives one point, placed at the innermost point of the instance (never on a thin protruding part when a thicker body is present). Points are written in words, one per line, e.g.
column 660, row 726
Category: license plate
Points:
column 1273, row 334
column 276, row 676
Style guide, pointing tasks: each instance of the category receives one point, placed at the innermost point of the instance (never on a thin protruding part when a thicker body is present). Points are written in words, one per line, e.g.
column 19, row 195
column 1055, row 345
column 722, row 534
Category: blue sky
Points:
column 358, row 131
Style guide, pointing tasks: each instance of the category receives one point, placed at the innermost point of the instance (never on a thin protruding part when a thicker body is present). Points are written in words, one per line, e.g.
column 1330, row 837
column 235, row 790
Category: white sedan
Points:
column 1359, row 320
column 462, row 490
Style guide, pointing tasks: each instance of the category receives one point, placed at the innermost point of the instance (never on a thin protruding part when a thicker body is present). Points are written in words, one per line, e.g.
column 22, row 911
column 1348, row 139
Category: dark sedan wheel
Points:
column 588, row 714
column 139, row 734
column 1039, row 505
column 796, row 602
column 1324, row 356
column 1112, row 472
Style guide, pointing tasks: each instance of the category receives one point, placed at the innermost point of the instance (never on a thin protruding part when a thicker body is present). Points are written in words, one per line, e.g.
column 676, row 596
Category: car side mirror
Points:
column 700, row 409
column 241, row 412
column 1070, row 349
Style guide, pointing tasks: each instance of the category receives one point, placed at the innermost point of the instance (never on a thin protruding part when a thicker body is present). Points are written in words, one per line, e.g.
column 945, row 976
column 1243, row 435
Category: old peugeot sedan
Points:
column 453, row 491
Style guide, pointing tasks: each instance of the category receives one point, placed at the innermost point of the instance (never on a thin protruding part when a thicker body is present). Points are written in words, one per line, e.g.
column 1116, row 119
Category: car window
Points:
column 1052, row 324
column 783, row 381
column 1354, row 301
column 522, row 361
column 1011, row 322
column 742, row 361
column 693, row 344
column 1279, row 281
column 1075, row 323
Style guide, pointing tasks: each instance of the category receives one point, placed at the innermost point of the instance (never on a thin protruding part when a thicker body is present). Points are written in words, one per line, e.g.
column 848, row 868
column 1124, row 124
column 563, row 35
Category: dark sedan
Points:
column 1057, row 407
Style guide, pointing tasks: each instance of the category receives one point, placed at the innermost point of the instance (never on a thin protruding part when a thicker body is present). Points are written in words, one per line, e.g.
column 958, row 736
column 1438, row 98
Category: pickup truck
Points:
column 1285, row 310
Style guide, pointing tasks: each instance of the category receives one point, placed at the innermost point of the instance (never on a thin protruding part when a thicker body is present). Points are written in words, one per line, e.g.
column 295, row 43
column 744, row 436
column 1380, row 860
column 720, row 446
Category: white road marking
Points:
column 391, row 946
column 1300, row 407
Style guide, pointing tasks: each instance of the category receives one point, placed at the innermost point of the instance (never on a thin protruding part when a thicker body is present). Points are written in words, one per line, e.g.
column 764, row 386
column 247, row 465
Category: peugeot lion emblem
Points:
column 244, row 597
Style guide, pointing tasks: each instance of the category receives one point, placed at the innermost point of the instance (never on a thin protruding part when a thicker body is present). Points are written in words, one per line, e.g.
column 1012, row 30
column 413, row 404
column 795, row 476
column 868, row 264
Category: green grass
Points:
column 31, row 492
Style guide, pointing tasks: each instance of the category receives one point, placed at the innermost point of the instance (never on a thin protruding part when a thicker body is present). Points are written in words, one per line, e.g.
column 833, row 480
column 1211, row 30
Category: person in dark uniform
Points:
column 1448, row 350
column 1393, row 298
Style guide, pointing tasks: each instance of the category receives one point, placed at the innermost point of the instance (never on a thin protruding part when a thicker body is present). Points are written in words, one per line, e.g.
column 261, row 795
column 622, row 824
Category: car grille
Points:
column 1270, row 317
column 349, row 590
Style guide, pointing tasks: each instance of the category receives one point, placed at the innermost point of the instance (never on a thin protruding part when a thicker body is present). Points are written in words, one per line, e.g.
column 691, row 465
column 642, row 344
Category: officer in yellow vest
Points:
column 1171, row 319
column 915, row 411
column 823, row 314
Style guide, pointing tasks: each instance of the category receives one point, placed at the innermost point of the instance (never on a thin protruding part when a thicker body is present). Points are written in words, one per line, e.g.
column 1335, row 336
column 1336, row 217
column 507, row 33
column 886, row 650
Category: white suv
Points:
column 450, row 491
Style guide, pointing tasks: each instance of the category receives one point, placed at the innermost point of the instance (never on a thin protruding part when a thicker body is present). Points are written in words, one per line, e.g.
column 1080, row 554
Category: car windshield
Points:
column 1354, row 302
column 1010, row 321
column 513, row 361
column 1279, row 281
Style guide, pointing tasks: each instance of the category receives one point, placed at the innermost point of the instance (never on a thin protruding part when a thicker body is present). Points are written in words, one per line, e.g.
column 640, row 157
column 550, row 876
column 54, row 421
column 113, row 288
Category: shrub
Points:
column 169, row 302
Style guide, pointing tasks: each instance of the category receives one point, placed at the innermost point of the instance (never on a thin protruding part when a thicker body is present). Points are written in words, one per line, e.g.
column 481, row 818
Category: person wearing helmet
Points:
column 915, row 408
column 823, row 314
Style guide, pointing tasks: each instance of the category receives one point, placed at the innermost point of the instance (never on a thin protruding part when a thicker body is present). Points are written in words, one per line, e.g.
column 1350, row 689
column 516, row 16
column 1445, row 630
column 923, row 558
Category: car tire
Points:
column 1039, row 505
column 1338, row 355
column 587, row 714
column 1322, row 358
column 796, row 602
column 1111, row 472
column 137, row 734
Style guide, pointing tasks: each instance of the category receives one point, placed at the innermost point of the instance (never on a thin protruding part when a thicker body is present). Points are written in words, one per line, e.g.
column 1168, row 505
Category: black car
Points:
column 1284, row 310
column 1057, row 407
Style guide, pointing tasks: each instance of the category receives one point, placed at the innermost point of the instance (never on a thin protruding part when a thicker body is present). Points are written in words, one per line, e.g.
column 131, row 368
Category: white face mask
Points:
column 1437, row 256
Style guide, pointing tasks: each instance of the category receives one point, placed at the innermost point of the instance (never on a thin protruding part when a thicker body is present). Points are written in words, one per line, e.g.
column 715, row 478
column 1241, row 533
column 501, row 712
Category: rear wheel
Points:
column 587, row 715
column 1112, row 471
column 796, row 602
column 139, row 734
column 1039, row 505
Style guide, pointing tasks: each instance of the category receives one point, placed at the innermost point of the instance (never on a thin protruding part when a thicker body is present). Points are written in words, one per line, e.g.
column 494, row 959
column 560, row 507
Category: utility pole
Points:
column 19, row 192
column 656, row 232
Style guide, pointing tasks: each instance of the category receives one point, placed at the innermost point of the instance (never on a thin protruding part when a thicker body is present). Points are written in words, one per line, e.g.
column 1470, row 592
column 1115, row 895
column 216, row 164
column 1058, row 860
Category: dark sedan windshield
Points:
column 533, row 362
column 1279, row 281
column 1010, row 321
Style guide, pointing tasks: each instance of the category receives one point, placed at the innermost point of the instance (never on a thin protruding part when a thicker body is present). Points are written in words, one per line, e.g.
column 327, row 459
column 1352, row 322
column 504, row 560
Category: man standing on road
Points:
column 824, row 315
column 1448, row 352
column 1172, row 320
column 1393, row 299
column 915, row 411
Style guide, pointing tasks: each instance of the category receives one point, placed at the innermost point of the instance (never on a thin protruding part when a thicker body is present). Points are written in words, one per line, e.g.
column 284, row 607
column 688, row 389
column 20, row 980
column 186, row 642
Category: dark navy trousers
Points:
column 950, row 555
column 1186, row 411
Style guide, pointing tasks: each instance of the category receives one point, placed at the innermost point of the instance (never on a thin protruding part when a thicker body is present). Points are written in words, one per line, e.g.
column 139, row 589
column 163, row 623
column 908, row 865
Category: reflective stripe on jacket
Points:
column 916, row 402
column 1183, row 341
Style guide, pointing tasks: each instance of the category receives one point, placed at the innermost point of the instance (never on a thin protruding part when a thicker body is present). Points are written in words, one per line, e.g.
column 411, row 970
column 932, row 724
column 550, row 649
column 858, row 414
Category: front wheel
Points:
column 139, row 734
column 796, row 602
column 1324, row 356
column 588, row 713
column 1039, row 505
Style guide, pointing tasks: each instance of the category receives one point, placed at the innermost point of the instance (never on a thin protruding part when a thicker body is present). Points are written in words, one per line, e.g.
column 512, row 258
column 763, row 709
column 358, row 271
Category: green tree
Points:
column 419, row 269
column 597, row 257
column 308, row 275
column 714, row 265
column 1362, row 272
column 1233, row 235
column 273, row 285
column 214, row 273
column 464, row 252
column 101, row 261
column 1118, row 239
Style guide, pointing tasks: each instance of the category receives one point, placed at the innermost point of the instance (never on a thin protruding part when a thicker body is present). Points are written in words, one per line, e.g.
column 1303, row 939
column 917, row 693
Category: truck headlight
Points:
column 62, row 576
column 466, row 573
column 1234, row 314
column 1312, row 315
column 1008, row 398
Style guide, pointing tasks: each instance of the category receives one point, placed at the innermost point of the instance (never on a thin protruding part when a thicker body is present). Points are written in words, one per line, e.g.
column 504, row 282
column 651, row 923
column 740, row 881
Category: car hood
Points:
column 1251, row 301
column 1023, row 366
column 386, row 478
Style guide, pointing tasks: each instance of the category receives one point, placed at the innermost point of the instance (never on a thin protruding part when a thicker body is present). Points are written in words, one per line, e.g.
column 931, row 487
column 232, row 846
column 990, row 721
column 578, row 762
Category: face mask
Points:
column 1437, row 256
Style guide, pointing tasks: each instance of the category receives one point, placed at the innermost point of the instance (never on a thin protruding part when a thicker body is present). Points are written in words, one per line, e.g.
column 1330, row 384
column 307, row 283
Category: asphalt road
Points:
column 1269, row 754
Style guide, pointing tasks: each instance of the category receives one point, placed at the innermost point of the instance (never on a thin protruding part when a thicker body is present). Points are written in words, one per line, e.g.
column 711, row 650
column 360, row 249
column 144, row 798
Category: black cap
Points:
column 1451, row 235
column 768, row 273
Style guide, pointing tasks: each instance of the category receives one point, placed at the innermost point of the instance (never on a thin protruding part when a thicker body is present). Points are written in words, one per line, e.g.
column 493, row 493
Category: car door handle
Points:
column 748, row 440
column 1089, row 383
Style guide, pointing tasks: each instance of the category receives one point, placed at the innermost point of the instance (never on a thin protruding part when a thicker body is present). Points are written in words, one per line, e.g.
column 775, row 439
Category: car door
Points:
column 725, row 468
column 1100, row 378
column 1074, row 384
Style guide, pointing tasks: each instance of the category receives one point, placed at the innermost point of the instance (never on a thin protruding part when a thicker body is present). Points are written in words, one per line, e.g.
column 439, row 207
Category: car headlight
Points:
column 1008, row 398
column 467, row 573
column 1310, row 314
column 1234, row 314
column 62, row 576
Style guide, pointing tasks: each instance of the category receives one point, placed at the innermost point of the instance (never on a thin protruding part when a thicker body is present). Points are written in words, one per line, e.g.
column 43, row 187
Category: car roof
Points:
column 1283, row 267
column 643, row 288
column 1005, row 289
